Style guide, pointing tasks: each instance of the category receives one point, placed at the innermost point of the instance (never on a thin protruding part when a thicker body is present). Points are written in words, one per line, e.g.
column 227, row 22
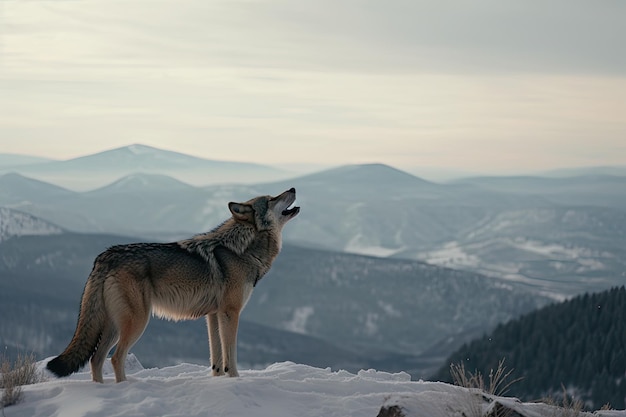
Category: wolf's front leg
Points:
column 228, row 323
column 215, row 345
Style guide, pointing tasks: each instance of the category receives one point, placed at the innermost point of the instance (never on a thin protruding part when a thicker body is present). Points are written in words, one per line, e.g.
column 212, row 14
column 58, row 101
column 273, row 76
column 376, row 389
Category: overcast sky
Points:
column 483, row 86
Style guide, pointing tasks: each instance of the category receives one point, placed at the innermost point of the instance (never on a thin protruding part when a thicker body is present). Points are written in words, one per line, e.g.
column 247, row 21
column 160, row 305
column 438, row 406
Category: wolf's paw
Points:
column 217, row 371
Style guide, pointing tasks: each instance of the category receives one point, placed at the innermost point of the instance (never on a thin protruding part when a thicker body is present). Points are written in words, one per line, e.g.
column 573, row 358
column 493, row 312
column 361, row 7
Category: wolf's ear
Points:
column 242, row 212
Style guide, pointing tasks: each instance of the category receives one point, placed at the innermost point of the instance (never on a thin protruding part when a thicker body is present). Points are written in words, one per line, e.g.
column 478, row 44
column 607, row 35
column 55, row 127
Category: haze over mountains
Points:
column 450, row 260
column 559, row 236
column 11, row 160
column 108, row 166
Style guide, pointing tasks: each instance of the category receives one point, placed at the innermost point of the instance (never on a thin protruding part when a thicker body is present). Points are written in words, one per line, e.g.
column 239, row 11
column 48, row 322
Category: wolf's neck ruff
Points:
column 233, row 235
column 239, row 238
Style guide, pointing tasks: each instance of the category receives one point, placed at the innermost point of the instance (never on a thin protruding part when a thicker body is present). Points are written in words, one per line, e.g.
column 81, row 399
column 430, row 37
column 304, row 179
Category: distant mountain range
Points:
column 558, row 236
column 92, row 171
column 586, row 171
column 364, row 279
column 588, row 190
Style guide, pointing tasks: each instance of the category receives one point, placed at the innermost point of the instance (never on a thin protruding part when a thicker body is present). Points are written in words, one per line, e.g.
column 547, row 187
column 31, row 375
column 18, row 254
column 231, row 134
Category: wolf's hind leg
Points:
column 107, row 340
column 128, row 302
column 130, row 332
column 215, row 345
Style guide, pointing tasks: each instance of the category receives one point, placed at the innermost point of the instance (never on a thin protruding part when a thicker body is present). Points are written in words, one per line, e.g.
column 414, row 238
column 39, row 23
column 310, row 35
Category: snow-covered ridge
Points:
column 281, row 389
column 15, row 223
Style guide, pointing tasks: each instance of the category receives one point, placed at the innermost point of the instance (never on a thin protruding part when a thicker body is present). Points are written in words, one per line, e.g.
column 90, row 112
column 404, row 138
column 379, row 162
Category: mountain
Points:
column 536, row 231
column 15, row 190
column 324, row 308
column 386, row 212
column 46, row 201
column 372, row 181
column 143, row 183
column 136, row 203
column 96, row 170
column 587, row 190
column 558, row 250
column 139, row 204
column 579, row 344
column 557, row 236
column 8, row 160
column 373, row 177
column 15, row 223
column 585, row 171
column 389, row 302
column 142, row 158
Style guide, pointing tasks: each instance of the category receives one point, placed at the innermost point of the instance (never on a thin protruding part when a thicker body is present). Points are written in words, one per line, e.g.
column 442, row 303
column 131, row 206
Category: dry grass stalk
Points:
column 15, row 374
column 497, row 384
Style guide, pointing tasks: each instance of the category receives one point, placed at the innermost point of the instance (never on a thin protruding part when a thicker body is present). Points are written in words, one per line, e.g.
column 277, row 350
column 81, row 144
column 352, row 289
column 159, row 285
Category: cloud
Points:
column 356, row 35
column 417, row 82
column 451, row 36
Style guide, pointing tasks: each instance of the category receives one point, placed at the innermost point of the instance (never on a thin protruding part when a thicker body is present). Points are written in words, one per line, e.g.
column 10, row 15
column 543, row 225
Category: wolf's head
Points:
column 266, row 212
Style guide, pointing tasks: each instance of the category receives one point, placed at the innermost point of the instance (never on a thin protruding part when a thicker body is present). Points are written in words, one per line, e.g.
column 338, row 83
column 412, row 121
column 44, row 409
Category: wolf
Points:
column 211, row 274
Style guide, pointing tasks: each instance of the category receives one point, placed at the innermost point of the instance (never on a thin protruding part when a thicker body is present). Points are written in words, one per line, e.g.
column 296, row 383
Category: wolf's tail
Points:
column 91, row 320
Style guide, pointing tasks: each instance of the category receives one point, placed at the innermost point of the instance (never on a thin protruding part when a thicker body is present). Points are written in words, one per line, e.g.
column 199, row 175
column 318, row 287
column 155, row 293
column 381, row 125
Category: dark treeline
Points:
column 579, row 344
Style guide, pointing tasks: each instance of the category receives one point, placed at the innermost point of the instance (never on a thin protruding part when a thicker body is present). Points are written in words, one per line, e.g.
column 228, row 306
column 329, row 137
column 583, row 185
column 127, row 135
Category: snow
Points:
column 456, row 254
column 450, row 254
column 15, row 223
column 300, row 318
column 282, row 389
column 371, row 325
column 550, row 250
column 358, row 246
column 476, row 256
column 389, row 309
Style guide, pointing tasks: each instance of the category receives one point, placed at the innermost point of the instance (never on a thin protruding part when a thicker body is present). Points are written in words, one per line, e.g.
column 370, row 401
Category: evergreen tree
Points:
column 580, row 343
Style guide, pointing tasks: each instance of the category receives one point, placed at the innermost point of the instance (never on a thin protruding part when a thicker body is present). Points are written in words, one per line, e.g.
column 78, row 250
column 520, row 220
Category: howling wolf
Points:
column 211, row 274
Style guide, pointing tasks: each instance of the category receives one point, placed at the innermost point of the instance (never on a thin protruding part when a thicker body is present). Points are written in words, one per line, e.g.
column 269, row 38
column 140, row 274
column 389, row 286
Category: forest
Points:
column 579, row 345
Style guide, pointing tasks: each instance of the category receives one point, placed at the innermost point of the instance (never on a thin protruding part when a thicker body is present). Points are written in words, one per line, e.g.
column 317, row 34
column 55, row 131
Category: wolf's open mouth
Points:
column 292, row 211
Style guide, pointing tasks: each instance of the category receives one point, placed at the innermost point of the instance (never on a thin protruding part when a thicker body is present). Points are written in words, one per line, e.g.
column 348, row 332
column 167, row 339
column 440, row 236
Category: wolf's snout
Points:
column 295, row 210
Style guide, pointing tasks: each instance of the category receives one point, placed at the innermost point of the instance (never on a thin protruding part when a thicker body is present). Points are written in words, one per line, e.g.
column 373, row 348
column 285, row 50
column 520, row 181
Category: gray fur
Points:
column 211, row 274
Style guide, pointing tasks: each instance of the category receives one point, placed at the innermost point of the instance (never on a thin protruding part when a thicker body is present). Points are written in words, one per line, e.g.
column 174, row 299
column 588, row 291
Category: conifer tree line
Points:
column 579, row 344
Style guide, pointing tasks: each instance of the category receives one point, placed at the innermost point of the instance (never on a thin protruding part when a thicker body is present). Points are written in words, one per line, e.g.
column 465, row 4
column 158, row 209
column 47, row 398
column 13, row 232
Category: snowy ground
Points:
column 282, row 389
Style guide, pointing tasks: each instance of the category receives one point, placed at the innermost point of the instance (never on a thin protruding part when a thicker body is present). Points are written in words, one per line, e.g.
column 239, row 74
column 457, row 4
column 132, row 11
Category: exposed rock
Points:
column 391, row 411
